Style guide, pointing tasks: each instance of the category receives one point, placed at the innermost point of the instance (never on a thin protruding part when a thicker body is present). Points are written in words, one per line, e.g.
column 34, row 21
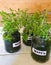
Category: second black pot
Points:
column 40, row 49
column 28, row 42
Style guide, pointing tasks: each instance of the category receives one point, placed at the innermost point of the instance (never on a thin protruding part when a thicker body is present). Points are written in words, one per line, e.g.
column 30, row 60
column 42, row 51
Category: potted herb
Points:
column 40, row 47
column 27, row 32
column 27, row 37
column 25, row 20
column 11, row 27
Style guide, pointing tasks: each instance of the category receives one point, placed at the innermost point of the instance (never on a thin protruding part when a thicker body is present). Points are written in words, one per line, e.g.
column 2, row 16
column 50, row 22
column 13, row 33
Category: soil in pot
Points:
column 40, row 49
column 15, row 44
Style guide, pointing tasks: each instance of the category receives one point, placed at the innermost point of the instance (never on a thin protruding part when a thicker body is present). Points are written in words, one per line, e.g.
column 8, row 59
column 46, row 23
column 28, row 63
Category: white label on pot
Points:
column 38, row 52
column 16, row 44
column 29, row 37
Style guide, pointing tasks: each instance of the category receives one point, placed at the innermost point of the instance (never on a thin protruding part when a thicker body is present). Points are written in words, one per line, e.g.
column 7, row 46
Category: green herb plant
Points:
column 40, row 25
column 27, row 23
column 36, row 24
column 12, row 23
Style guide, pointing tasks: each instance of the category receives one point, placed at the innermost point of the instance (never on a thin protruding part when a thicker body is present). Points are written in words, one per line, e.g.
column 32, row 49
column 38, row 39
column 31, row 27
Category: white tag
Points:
column 16, row 44
column 38, row 52
column 29, row 37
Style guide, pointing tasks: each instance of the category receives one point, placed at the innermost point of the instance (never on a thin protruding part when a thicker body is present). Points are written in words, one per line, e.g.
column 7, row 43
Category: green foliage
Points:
column 37, row 25
column 27, row 23
column 25, row 34
column 12, row 22
column 40, row 25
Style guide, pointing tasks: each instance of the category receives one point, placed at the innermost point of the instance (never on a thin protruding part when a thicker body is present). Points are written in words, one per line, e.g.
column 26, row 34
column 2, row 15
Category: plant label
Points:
column 29, row 37
column 16, row 44
column 38, row 52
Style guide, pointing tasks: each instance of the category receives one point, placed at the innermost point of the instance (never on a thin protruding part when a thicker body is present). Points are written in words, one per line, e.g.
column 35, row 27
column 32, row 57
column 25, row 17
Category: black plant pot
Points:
column 15, row 44
column 40, row 49
column 29, row 37
column 28, row 42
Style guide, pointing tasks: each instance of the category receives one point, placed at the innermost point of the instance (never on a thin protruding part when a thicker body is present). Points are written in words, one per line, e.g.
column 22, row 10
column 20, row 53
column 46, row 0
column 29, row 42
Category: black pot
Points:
column 14, row 45
column 29, row 37
column 28, row 42
column 40, row 49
